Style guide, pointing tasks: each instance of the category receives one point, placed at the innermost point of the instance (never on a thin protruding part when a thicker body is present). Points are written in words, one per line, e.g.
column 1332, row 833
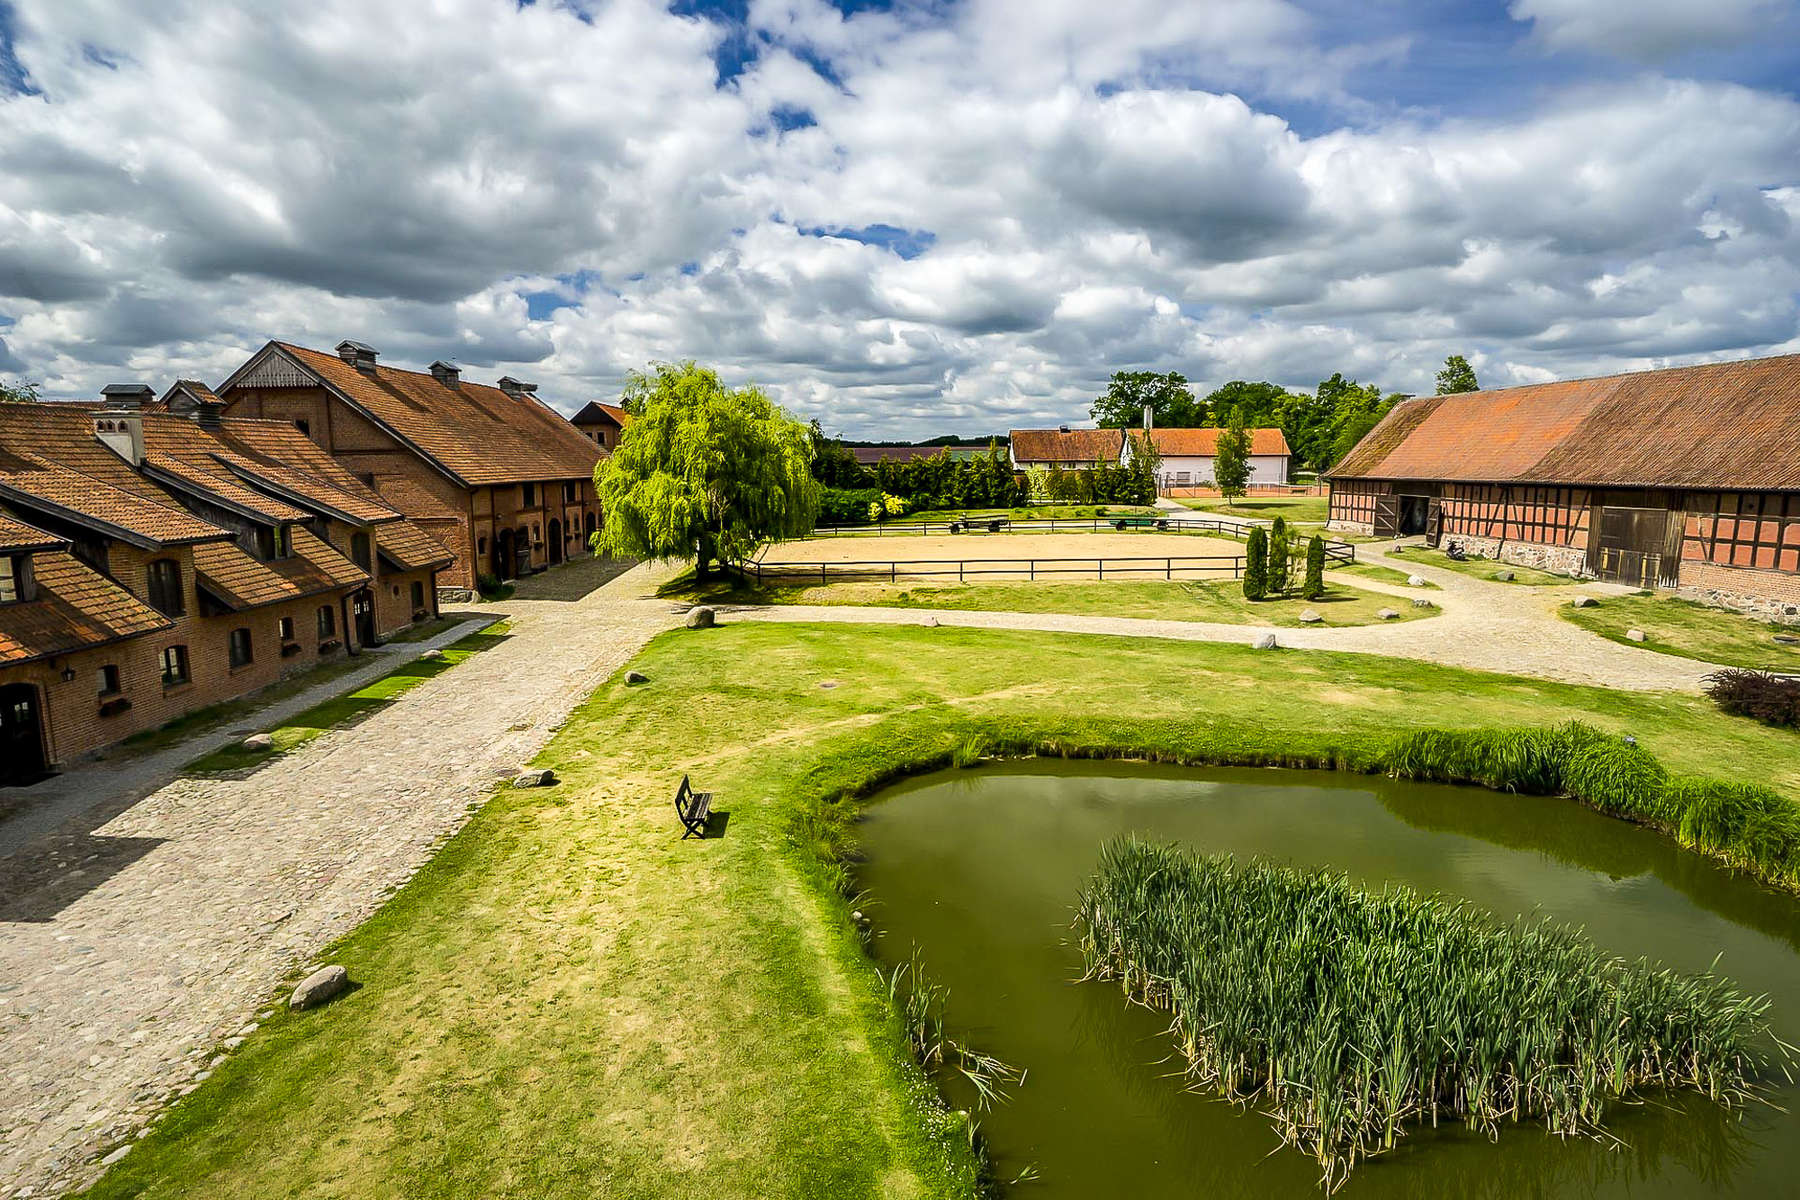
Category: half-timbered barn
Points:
column 1686, row 479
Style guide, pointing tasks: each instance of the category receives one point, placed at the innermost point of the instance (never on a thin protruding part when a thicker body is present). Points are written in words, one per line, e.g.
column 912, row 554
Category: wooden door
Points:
column 1628, row 543
column 21, row 735
column 1434, row 522
column 362, row 608
column 1387, row 516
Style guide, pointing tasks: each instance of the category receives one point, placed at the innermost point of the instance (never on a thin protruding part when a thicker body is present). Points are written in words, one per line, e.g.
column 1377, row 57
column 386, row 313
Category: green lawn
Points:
column 1038, row 512
column 571, row 1001
column 1162, row 600
column 350, row 707
column 1690, row 630
column 1384, row 575
column 424, row 631
column 1310, row 510
column 1480, row 568
column 202, row 720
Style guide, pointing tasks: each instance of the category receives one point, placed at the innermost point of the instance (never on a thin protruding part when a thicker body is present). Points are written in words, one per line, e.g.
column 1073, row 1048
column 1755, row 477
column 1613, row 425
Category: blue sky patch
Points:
column 907, row 243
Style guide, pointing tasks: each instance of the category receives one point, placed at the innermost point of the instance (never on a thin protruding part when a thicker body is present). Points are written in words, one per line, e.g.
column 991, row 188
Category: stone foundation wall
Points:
column 1771, row 595
column 1360, row 528
column 455, row 595
column 1559, row 560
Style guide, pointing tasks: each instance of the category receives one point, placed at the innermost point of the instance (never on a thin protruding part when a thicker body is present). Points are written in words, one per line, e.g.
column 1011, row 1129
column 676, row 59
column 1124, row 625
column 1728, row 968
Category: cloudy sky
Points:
column 903, row 218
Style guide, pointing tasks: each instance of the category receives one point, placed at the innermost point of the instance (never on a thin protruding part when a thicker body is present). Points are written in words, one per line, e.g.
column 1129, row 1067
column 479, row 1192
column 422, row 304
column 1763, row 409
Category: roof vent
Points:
column 448, row 374
column 1062, row 429
column 360, row 355
column 119, row 423
column 516, row 387
column 209, row 414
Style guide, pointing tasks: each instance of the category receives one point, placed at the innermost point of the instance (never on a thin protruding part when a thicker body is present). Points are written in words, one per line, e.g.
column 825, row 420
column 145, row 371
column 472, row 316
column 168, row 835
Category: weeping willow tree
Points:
column 703, row 470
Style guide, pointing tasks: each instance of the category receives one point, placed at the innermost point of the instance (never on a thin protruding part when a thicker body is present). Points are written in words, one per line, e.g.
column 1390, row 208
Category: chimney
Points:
column 119, row 423
column 516, row 388
column 209, row 414
column 1149, row 419
column 448, row 374
column 358, row 354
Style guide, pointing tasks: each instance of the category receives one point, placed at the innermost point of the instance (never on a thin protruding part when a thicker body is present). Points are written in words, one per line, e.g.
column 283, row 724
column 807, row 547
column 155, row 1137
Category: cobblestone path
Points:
column 137, row 939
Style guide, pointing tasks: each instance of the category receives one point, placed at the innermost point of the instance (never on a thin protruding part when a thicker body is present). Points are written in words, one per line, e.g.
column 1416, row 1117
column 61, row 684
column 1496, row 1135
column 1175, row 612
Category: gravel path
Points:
column 1486, row 626
column 146, row 930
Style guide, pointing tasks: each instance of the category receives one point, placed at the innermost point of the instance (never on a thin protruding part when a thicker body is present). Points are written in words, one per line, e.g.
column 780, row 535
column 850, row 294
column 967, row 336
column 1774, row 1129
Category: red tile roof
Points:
column 595, row 413
column 16, row 536
column 75, row 608
column 1720, row 425
column 1204, row 443
column 58, row 490
column 209, row 480
column 242, row 581
column 1081, row 447
column 478, row 433
column 411, row 548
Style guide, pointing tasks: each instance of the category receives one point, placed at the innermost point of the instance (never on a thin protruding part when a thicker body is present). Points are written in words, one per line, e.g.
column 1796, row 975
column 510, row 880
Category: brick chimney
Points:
column 448, row 374
column 358, row 354
column 515, row 388
column 119, row 423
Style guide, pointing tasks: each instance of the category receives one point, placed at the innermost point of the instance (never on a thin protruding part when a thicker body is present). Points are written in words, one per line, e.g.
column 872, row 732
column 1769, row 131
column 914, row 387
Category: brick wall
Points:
column 1773, row 595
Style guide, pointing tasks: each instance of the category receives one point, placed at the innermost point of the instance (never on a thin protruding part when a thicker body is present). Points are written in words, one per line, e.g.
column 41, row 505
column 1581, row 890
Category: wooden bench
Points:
column 1124, row 523
column 693, row 808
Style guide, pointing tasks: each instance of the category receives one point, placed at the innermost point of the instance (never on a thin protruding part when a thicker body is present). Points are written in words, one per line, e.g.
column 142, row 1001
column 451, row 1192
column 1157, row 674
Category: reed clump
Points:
column 1350, row 1014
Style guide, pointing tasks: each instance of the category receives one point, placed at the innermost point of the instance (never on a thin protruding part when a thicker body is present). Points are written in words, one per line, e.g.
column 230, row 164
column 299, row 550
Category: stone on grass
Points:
column 1505, row 576
column 930, row 622
column 1583, row 602
column 1266, row 642
column 632, row 677
column 1387, row 614
column 319, row 987
column 1634, row 635
column 534, row 778
column 256, row 743
column 1422, row 602
column 1415, row 581
column 431, row 656
column 1311, row 617
column 701, row 617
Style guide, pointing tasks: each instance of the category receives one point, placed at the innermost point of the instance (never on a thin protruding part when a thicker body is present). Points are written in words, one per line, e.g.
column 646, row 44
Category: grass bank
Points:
column 1383, row 574
column 571, row 1001
column 1221, row 601
column 1689, row 630
column 349, row 708
column 1306, row 510
column 1481, row 568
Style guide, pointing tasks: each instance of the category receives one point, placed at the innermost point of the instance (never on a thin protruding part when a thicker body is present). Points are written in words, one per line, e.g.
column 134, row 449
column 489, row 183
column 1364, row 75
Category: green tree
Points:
column 1146, row 464
column 1313, row 588
column 1172, row 404
column 704, row 470
column 19, row 391
column 1256, row 565
column 1457, row 376
column 1260, row 404
column 1231, row 458
column 1280, row 573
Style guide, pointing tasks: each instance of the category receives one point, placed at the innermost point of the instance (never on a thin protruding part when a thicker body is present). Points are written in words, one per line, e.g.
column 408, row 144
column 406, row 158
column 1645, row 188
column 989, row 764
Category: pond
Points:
column 979, row 871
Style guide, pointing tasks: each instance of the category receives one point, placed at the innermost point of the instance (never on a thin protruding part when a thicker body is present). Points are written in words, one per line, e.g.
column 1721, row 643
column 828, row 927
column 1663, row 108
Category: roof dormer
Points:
column 516, row 388
column 360, row 355
column 448, row 374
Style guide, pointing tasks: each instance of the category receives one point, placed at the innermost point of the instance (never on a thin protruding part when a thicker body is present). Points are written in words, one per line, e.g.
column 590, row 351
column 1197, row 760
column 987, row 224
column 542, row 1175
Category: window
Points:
column 481, row 546
column 109, row 680
column 571, row 492
column 12, row 579
column 240, row 649
column 284, row 629
column 165, row 587
column 327, row 622
column 273, row 542
column 303, row 425
column 359, row 550
column 418, row 596
column 529, row 492
column 174, row 666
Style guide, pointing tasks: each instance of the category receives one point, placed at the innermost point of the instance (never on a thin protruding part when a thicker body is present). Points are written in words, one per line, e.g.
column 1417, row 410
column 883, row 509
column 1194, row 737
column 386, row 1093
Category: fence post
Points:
column 822, row 580
column 959, row 570
column 893, row 572
column 1168, row 568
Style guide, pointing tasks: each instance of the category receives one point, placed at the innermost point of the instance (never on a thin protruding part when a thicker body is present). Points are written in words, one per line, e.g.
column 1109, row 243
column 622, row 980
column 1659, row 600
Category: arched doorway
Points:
column 21, row 735
column 503, row 555
column 553, row 541
column 522, row 551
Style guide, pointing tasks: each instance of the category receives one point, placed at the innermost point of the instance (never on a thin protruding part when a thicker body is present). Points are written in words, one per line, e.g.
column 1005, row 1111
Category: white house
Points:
column 1187, row 457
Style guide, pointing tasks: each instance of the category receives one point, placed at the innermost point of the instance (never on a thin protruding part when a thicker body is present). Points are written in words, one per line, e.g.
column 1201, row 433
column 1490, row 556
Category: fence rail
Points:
column 1335, row 551
column 1222, row 566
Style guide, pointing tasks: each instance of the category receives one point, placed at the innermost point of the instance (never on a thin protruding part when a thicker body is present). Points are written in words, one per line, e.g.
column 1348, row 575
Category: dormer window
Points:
column 15, row 578
column 528, row 492
column 359, row 550
column 163, row 580
column 273, row 542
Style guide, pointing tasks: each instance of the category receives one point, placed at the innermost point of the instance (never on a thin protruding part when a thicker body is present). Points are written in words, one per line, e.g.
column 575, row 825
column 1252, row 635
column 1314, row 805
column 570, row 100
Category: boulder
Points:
column 930, row 622
column 319, row 987
column 1266, row 642
column 1311, row 617
column 1505, row 576
column 1422, row 602
column 1388, row 614
column 1415, row 581
column 432, row 656
column 1634, row 635
column 1583, row 602
column 534, row 778
column 701, row 617
column 636, row 677
column 258, row 742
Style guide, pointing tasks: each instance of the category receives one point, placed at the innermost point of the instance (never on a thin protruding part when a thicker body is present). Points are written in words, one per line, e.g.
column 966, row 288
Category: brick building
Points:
column 503, row 481
column 602, row 424
column 1686, row 479
column 152, row 564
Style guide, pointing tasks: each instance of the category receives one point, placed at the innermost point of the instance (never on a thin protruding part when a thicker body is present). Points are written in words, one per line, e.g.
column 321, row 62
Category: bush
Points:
column 1256, row 565
column 1280, row 572
column 491, row 588
column 1771, row 699
column 1314, row 586
column 845, row 506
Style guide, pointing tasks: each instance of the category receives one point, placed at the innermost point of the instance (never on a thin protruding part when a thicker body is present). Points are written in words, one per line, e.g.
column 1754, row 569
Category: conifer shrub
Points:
column 1256, row 565
column 1313, row 587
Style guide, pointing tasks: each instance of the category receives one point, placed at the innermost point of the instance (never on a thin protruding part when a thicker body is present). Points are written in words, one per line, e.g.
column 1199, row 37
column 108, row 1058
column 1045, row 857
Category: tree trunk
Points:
column 703, row 556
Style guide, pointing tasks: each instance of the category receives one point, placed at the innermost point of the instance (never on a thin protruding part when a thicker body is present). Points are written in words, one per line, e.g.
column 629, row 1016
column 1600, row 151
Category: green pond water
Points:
column 979, row 870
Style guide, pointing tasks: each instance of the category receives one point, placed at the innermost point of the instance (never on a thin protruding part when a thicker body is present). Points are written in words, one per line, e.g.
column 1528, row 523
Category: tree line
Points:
column 1320, row 427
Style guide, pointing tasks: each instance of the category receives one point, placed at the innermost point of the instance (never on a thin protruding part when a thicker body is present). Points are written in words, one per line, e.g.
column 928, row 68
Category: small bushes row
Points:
column 1767, row 697
column 1749, row 826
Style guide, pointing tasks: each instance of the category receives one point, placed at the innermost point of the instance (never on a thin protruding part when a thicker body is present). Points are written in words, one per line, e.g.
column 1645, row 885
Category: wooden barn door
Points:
column 1434, row 522
column 1630, row 544
column 1387, row 516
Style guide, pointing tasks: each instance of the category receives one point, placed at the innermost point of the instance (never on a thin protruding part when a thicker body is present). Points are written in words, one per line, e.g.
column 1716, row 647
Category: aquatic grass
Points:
column 920, row 1005
column 1350, row 1014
